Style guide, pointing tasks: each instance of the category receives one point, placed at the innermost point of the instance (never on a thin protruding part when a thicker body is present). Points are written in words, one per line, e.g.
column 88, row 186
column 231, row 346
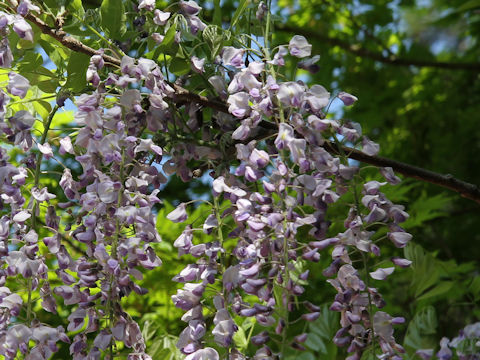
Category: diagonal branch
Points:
column 467, row 190
column 363, row 52
column 182, row 95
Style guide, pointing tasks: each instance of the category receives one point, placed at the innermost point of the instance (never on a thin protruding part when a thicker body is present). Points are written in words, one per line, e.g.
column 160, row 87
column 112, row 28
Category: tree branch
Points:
column 363, row 52
column 182, row 95
column 467, row 190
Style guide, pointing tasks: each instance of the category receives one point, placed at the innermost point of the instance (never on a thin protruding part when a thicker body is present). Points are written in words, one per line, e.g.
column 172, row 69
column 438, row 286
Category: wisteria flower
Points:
column 23, row 29
column 147, row 5
column 400, row 238
column 204, row 354
column 239, row 104
column 197, row 64
column 232, row 56
column 46, row 150
column 6, row 56
column 347, row 99
column 310, row 64
column 17, row 85
column 25, row 6
column 66, row 146
column 179, row 214
column 388, row 174
column 190, row 7
column 42, row 194
column 299, row 46
column 291, row 93
column 382, row 273
column 160, row 17
column 285, row 136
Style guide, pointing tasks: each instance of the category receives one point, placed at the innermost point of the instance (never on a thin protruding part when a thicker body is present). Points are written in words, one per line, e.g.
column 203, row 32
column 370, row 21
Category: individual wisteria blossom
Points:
column 347, row 99
column 299, row 46
column 233, row 56
column 261, row 10
column 382, row 273
column 147, row 5
column 179, row 214
column 197, row 64
column 66, row 146
column 204, row 354
column 310, row 64
column 160, row 17
column 23, row 29
column 25, row 6
column 17, row 85
column 6, row 56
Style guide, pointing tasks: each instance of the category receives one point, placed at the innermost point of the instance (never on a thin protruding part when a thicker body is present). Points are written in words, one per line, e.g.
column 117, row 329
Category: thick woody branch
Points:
column 366, row 53
column 68, row 41
column 182, row 95
column 467, row 190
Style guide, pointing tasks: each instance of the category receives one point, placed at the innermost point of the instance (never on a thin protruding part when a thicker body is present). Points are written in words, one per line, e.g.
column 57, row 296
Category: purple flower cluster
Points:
column 466, row 346
column 113, row 200
column 267, row 192
column 117, row 224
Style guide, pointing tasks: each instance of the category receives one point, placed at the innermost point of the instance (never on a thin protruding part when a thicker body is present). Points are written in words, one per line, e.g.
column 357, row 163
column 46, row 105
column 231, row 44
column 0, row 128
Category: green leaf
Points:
column 217, row 13
column 179, row 66
column 76, row 6
column 240, row 339
column 43, row 108
column 316, row 343
column 474, row 287
column 438, row 290
column 41, row 77
column 427, row 208
column 57, row 53
column 77, row 72
column 30, row 61
column 421, row 329
column 113, row 18
column 239, row 12
column 168, row 45
column 326, row 325
column 425, row 270
column 304, row 356
column 469, row 5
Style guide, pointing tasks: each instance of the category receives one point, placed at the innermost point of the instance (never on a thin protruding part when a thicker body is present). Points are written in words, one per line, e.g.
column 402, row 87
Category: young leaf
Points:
column 76, row 71
column 217, row 13
column 113, row 17
column 239, row 12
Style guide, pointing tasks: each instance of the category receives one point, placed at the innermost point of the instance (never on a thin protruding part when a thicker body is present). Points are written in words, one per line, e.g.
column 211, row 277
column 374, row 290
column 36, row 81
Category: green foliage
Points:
column 113, row 18
column 76, row 71
column 321, row 332
column 421, row 330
